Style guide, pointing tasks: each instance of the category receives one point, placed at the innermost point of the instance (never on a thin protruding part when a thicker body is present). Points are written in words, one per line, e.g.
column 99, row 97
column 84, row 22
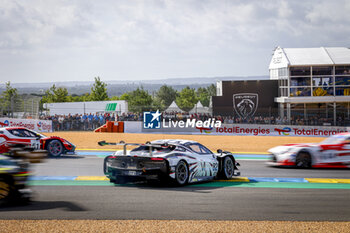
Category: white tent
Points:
column 173, row 108
column 199, row 108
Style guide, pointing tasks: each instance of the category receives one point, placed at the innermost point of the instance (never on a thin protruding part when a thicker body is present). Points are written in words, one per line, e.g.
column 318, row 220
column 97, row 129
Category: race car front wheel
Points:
column 55, row 148
column 228, row 168
column 181, row 173
column 303, row 160
column 5, row 191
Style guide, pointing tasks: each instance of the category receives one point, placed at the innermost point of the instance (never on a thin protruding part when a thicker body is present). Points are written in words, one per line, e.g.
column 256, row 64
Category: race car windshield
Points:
column 198, row 148
column 154, row 149
column 37, row 134
column 334, row 139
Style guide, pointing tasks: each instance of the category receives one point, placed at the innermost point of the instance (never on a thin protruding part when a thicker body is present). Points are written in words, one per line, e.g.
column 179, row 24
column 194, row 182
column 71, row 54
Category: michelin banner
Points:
column 36, row 125
column 241, row 129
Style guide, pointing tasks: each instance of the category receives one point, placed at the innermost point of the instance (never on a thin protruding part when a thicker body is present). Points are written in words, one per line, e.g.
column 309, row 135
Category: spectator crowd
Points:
column 86, row 122
column 78, row 121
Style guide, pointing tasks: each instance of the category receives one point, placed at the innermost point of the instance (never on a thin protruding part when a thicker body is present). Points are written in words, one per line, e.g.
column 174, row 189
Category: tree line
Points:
column 139, row 100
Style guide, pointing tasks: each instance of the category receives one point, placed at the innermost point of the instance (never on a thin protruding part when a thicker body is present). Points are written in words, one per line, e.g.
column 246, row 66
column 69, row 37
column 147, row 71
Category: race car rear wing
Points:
column 124, row 144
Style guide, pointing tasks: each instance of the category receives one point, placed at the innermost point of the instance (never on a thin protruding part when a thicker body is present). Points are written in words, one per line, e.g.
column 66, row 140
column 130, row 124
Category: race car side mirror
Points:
column 219, row 151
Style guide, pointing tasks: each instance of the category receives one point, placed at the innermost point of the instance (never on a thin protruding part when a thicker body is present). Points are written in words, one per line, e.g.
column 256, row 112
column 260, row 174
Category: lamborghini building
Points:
column 313, row 83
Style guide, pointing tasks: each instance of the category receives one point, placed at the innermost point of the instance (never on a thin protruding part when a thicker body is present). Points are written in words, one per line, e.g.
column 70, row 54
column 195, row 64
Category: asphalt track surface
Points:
column 205, row 201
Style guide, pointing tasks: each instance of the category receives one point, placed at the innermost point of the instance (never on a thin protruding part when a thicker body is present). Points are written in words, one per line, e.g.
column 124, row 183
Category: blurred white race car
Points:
column 332, row 152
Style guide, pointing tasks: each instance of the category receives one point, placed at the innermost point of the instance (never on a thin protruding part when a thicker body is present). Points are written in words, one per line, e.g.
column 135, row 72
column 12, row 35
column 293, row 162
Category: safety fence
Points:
column 22, row 107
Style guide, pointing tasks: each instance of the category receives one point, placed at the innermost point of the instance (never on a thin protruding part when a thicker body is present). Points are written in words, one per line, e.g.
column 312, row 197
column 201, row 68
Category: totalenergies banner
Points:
column 36, row 125
column 242, row 129
column 275, row 130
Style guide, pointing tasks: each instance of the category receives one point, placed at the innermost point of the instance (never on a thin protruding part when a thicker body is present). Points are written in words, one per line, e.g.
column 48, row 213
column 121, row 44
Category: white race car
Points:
column 332, row 152
column 181, row 161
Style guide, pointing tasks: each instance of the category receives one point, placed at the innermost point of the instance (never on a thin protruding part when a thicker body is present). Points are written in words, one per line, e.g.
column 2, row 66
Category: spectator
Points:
column 90, row 118
column 101, row 119
column 95, row 121
column 60, row 122
column 85, row 121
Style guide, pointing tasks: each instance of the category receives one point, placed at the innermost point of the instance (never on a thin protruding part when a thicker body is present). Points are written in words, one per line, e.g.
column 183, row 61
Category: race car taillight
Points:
column 157, row 159
column 112, row 157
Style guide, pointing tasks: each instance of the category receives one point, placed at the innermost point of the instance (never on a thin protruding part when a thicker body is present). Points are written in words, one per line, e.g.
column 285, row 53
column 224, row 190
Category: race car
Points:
column 14, row 174
column 180, row 161
column 332, row 152
column 23, row 137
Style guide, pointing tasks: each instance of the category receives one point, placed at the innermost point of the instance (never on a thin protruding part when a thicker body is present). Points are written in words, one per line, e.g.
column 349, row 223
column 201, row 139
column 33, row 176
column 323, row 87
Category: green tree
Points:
column 10, row 92
column 203, row 96
column 114, row 98
column 124, row 96
column 61, row 94
column 56, row 95
column 139, row 100
column 156, row 104
column 80, row 98
column 212, row 90
column 164, row 97
column 186, row 99
column 9, row 98
column 99, row 90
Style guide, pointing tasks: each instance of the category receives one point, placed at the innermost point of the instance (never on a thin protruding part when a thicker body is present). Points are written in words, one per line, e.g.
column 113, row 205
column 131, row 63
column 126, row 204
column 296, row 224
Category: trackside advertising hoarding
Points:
column 241, row 129
column 36, row 125
column 276, row 130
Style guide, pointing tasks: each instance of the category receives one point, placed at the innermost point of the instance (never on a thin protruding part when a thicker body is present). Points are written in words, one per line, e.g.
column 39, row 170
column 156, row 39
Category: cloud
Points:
column 34, row 24
column 123, row 38
column 179, row 23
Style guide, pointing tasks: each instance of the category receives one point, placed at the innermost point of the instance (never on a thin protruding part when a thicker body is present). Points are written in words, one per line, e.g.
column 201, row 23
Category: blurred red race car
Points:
column 20, row 136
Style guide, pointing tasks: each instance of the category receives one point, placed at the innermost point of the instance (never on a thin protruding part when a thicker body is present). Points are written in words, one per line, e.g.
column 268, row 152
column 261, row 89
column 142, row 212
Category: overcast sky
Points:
column 77, row 40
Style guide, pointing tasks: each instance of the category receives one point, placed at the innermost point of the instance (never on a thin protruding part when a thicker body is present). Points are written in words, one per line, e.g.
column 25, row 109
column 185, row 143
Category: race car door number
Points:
column 35, row 144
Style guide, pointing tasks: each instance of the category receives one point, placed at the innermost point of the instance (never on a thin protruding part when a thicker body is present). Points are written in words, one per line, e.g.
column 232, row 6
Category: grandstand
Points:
column 313, row 83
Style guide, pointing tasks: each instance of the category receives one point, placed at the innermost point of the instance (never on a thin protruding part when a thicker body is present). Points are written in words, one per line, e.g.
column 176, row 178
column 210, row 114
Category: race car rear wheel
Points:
column 181, row 173
column 303, row 160
column 55, row 148
column 5, row 191
column 228, row 168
